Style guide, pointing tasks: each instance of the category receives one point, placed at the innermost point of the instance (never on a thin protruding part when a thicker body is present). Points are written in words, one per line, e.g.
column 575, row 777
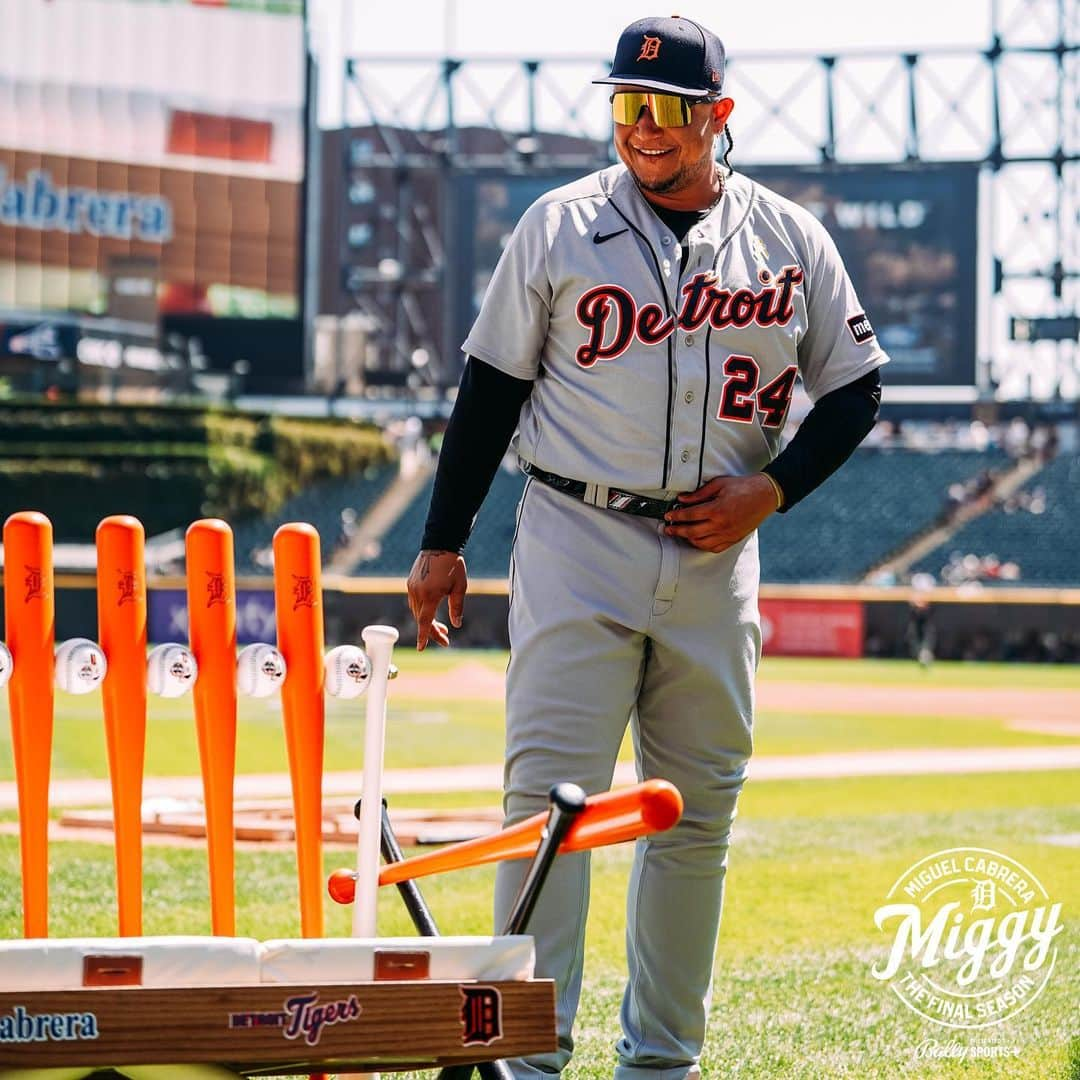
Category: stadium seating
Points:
column 488, row 551
column 878, row 501
column 1046, row 546
column 401, row 542
column 871, row 507
column 320, row 505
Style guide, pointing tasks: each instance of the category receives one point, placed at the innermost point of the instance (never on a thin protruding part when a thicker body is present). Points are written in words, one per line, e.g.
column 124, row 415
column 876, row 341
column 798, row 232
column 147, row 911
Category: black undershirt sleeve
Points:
column 826, row 438
column 484, row 417
column 489, row 403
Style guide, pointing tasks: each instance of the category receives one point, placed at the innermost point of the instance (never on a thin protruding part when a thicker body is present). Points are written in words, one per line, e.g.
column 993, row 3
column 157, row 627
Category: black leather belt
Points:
column 625, row 502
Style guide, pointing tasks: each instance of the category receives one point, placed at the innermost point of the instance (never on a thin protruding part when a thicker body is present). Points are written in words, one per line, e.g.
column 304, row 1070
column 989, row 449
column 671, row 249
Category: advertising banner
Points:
column 167, row 616
column 812, row 627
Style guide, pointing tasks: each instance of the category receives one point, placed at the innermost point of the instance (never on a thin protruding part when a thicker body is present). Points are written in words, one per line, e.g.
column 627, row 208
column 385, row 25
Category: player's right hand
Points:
column 436, row 574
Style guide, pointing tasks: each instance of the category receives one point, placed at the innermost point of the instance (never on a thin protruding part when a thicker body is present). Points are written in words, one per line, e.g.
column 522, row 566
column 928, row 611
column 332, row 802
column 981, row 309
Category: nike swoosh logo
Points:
column 599, row 238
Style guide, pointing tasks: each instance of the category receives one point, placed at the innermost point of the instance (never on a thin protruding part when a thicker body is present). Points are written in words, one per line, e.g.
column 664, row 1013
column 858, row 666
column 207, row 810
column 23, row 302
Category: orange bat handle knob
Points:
column 342, row 886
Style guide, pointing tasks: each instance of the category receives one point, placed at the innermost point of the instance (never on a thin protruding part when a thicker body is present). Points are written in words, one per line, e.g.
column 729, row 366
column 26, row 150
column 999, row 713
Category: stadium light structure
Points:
column 418, row 124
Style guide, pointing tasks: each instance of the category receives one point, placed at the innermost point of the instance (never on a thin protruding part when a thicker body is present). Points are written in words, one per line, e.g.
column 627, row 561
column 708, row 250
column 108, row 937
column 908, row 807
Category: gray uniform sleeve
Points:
column 839, row 345
column 512, row 326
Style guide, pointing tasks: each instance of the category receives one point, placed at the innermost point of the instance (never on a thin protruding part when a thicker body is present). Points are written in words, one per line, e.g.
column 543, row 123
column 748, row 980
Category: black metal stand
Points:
column 566, row 802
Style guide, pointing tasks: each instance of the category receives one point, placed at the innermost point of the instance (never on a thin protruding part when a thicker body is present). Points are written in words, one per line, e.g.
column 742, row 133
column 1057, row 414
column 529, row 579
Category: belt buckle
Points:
column 641, row 505
column 625, row 501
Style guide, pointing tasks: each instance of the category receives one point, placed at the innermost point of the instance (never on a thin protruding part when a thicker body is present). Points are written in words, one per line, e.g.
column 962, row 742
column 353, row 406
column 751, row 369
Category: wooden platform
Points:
column 260, row 1030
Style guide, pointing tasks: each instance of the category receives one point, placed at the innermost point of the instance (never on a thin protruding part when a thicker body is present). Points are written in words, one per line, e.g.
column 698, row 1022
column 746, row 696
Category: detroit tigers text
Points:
column 704, row 302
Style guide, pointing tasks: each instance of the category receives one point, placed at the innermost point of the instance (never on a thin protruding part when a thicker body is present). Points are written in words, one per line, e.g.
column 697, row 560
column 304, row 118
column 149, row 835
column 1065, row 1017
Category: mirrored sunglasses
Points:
column 667, row 110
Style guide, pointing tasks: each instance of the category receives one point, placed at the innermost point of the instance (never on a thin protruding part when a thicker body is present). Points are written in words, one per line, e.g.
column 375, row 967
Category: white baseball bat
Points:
column 379, row 643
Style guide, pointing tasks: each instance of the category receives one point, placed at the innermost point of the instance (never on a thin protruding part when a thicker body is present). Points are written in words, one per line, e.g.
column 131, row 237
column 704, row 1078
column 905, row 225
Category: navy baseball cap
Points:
column 673, row 55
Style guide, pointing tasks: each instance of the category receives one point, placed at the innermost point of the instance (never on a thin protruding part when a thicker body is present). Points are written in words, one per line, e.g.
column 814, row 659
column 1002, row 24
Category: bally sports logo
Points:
column 973, row 942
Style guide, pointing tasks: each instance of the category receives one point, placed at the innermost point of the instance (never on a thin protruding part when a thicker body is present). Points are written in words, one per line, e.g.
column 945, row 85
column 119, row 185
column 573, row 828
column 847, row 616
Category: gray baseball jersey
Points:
column 652, row 377
column 649, row 380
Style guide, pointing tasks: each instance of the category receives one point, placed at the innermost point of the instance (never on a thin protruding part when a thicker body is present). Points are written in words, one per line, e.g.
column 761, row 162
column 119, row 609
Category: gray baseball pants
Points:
column 612, row 621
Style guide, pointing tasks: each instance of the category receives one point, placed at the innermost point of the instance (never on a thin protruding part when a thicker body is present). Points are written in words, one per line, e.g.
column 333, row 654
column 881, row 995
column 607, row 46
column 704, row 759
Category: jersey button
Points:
column 666, row 241
column 689, row 339
column 685, row 456
column 689, row 397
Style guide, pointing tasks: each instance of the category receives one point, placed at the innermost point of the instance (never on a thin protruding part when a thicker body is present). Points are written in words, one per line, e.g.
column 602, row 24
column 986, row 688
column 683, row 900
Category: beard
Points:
column 683, row 177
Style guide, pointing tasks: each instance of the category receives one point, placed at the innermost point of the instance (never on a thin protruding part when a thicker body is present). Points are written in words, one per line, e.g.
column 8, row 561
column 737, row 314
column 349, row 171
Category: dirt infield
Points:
column 470, row 680
column 1054, row 712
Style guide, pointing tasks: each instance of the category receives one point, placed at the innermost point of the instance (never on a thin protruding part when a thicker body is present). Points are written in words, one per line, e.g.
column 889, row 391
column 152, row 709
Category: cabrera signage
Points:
column 38, row 203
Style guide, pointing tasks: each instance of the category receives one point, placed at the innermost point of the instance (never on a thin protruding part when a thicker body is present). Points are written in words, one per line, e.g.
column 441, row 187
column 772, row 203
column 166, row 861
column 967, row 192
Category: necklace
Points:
column 720, row 193
column 700, row 213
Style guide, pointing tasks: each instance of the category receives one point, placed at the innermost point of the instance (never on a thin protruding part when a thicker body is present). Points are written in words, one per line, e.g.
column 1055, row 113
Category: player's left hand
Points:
column 722, row 511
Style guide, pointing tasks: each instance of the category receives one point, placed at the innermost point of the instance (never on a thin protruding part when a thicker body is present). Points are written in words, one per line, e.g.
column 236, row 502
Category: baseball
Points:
column 171, row 670
column 348, row 671
column 260, row 670
column 7, row 665
column 80, row 666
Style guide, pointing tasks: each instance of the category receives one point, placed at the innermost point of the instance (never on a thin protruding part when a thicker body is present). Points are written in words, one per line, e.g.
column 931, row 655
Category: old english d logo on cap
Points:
column 650, row 48
column 671, row 55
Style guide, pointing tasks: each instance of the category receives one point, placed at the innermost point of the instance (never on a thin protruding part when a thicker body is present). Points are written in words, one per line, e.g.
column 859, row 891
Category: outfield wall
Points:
column 807, row 620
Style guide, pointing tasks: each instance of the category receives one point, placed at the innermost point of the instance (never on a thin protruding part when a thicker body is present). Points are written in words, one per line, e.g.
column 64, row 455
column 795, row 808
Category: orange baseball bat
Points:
column 121, row 606
column 211, row 594
column 30, row 629
column 299, row 610
column 608, row 818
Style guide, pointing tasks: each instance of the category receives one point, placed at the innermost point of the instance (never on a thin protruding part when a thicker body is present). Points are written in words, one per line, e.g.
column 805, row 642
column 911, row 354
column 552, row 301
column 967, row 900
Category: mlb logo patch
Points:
column 860, row 328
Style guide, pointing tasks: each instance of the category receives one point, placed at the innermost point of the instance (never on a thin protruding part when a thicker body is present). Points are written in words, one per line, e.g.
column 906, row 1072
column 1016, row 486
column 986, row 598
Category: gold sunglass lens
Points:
column 667, row 110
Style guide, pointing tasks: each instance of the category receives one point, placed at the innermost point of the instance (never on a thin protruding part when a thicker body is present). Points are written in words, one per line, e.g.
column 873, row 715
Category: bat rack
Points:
column 566, row 802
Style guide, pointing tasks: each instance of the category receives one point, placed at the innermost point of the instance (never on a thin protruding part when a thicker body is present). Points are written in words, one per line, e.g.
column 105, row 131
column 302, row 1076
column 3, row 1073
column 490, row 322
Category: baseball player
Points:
column 643, row 332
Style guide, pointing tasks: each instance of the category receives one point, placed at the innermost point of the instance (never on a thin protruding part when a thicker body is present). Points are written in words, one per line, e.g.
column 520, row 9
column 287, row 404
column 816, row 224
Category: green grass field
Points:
column 811, row 861
column 455, row 732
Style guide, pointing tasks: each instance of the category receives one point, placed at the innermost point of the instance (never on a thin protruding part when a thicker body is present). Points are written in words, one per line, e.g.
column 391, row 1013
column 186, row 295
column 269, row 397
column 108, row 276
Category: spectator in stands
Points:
column 1043, row 444
column 978, row 436
column 971, row 569
column 263, row 557
column 1016, row 438
column 955, row 497
column 1033, row 502
column 346, row 528
column 977, row 491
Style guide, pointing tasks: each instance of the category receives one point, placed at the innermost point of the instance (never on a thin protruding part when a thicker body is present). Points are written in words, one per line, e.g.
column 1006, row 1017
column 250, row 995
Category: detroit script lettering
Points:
column 609, row 313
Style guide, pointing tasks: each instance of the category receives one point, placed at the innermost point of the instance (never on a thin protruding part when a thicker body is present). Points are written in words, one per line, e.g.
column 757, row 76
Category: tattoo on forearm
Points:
column 424, row 569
